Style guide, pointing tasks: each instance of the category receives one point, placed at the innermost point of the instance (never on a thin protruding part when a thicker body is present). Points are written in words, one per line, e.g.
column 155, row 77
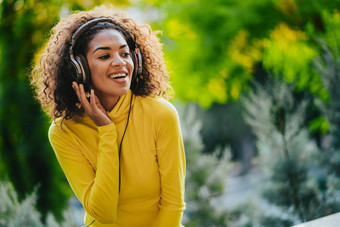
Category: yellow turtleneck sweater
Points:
column 152, row 164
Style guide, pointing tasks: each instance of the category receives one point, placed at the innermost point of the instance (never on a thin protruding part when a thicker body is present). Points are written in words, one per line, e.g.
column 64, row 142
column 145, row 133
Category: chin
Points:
column 123, row 91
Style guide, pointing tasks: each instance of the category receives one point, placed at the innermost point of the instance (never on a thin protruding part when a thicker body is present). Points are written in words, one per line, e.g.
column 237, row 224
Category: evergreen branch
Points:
column 293, row 190
column 284, row 117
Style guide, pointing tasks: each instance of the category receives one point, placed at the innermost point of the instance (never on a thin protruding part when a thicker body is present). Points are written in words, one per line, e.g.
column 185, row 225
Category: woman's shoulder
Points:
column 60, row 124
column 59, row 128
column 57, row 132
column 159, row 107
column 66, row 128
column 159, row 104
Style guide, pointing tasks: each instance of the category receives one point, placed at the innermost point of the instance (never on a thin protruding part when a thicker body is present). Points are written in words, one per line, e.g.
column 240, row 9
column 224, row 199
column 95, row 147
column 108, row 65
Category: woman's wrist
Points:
column 107, row 128
column 103, row 122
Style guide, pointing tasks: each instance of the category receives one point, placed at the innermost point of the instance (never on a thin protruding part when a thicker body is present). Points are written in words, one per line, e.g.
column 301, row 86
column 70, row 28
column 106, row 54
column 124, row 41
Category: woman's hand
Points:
column 94, row 108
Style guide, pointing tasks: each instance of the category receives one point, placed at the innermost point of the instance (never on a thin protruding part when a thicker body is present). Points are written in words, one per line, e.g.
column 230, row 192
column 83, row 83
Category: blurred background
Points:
column 256, row 90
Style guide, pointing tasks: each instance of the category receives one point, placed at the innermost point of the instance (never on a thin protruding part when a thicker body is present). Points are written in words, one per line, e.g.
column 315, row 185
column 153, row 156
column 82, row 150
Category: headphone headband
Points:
column 83, row 28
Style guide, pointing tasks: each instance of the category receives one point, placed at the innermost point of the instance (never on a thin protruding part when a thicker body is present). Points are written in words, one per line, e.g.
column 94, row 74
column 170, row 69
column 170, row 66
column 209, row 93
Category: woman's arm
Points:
column 171, row 161
column 96, row 190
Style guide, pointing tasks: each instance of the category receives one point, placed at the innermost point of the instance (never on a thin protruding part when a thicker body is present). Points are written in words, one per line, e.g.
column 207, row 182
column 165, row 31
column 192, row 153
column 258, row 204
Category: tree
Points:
column 205, row 176
column 289, row 156
column 328, row 64
column 215, row 48
column 25, row 152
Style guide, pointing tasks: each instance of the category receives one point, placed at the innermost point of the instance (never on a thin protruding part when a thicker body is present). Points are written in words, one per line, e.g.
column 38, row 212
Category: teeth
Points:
column 117, row 75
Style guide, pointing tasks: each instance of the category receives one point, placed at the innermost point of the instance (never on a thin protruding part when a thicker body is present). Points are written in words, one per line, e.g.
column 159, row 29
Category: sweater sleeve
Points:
column 171, row 161
column 96, row 190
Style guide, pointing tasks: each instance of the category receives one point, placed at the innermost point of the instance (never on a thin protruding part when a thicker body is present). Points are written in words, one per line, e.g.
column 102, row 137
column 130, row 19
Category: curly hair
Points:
column 52, row 75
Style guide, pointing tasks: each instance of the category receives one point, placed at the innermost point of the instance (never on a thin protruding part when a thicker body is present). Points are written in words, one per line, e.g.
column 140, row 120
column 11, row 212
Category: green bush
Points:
column 14, row 213
column 205, row 176
column 298, row 182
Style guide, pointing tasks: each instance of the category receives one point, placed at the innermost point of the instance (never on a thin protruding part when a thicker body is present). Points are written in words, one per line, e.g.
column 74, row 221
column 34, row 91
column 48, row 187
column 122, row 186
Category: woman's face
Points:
column 110, row 63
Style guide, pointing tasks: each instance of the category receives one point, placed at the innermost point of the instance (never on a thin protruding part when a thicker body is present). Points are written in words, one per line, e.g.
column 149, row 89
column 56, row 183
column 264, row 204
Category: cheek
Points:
column 91, row 66
column 129, row 61
column 95, row 67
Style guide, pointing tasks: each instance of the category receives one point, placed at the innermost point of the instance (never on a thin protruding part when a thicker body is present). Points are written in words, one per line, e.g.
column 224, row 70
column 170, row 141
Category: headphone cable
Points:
column 121, row 142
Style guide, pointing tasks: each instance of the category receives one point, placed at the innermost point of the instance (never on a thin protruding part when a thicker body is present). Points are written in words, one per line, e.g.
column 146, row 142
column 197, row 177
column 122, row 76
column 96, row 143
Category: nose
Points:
column 117, row 61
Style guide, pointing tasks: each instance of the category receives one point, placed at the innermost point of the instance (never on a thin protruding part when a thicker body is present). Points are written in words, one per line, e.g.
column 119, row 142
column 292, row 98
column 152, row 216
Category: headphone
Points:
column 79, row 62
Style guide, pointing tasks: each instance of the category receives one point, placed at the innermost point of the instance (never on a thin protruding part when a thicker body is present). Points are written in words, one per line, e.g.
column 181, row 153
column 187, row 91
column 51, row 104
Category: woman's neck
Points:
column 109, row 102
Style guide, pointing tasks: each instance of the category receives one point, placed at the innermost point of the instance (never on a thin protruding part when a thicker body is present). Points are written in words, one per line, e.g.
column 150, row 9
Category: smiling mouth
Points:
column 118, row 75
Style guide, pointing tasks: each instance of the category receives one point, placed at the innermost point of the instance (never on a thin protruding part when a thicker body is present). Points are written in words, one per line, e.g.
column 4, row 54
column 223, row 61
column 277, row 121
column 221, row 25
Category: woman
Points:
column 117, row 140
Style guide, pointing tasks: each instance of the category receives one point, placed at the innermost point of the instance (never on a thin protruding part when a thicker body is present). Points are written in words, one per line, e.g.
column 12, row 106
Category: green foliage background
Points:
column 213, row 49
column 25, row 157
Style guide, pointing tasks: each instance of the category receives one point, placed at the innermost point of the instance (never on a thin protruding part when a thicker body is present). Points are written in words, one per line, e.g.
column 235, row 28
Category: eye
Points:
column 106, row 56
column 126, row 54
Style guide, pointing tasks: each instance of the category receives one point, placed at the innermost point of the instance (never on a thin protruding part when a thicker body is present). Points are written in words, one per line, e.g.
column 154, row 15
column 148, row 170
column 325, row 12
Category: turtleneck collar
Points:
column 121, row 109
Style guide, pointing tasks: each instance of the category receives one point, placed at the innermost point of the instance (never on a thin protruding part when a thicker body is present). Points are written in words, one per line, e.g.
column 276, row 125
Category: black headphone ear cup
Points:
column 134, row 58
column 85, row 77
column 137, row 71
column 77, row 70
column 139, row 61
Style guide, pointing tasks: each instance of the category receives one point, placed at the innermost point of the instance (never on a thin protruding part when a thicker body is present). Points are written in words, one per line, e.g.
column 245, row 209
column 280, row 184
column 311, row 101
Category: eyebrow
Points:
column 109, row 48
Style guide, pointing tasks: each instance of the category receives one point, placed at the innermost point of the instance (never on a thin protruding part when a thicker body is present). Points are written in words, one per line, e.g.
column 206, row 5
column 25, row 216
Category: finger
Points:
column 92, row 99
column 76, row 89
column 82, row 94
column 83, row 98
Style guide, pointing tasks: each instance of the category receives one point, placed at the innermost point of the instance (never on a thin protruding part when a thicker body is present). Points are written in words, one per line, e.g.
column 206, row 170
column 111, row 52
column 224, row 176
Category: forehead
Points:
column 107, row 38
